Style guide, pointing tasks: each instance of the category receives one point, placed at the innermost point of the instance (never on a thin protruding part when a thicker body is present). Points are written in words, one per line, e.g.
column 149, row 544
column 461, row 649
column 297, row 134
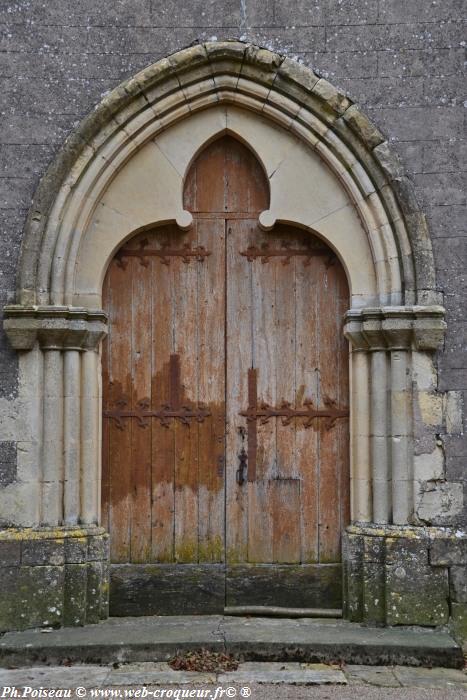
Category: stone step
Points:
column 249, row 638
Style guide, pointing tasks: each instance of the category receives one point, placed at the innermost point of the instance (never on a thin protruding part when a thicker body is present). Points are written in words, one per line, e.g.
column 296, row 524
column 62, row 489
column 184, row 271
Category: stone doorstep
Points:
column 160, row 673
column 129, row 640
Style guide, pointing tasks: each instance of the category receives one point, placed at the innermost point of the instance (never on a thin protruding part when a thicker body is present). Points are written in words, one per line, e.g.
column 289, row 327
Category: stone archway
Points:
column 329, row 170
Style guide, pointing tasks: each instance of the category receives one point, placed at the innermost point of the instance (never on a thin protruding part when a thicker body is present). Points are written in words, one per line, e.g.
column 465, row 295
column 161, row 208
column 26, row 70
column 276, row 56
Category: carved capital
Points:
column 55, row 327
column 372, row 326
column 353, row 331
column 398, row 327
column 429, row 327
column 395, row 328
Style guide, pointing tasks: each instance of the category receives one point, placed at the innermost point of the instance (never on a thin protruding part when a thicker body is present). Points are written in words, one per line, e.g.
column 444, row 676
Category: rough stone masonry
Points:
column 402, row 63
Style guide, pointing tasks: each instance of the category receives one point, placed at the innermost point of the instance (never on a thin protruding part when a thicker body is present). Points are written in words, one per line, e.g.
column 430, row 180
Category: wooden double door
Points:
column 225, row 414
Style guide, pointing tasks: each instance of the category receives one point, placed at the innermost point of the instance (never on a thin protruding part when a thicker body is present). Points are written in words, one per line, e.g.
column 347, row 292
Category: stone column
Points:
column 69, row 339
column 51, row 508
column 398, row 331
column 90, row 453
column 380, row 466
column 72, row 434
column 360, row 465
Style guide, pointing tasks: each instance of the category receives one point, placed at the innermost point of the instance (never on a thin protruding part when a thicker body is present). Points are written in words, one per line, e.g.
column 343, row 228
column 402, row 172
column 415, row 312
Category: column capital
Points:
column 395, row 327
column 55, row 327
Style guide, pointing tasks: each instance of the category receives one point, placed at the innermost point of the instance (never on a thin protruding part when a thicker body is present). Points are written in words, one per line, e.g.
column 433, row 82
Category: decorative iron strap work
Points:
column 265, row 253
column 263, row 413
column 186, row 253
column 171, row 411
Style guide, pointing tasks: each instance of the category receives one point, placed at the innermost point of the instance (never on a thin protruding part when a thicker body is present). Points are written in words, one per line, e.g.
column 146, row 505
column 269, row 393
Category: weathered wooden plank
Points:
column 238, row 363
column 120, row 389
column 184, row 391
column 211, row 388
column 246, row 184
column 285, row 332
column 163, row 437
column 140, row 465
column 307, row 389
column 105, row 479
column 329, row 489
column 343, row 397
column 293, row 586
column 284, row 495
column 166, row 589
column 263, row 301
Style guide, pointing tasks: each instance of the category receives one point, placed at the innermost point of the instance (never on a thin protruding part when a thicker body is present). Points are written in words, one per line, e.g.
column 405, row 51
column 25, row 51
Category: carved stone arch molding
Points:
column 330, row 171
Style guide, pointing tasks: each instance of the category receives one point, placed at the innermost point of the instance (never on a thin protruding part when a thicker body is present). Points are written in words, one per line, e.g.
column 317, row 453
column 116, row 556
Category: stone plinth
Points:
column 53, row 577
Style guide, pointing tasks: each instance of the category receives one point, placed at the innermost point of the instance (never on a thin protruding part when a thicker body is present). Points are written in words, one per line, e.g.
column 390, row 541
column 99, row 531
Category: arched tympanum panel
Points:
column 225, row 404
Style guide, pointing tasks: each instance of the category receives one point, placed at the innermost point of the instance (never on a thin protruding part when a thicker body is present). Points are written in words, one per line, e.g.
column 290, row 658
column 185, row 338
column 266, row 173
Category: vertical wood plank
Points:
column 307, row 389
column 211, row 369
column 239, row 361
column 329, row 501
column 260, row 531
column 285, row 504
column 343, row 397
column 285, row 341
column 120, row 388
column 141, row 340
column 185, row 330
column 105, row 478
column 163, row 437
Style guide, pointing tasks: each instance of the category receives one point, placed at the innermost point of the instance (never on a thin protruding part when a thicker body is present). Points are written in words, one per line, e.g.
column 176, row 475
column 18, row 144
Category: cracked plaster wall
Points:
column 400, row 61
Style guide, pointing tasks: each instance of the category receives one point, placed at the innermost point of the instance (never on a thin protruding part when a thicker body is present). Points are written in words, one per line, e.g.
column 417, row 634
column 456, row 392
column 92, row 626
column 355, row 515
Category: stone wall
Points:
column 53, row 577
column 400, row 61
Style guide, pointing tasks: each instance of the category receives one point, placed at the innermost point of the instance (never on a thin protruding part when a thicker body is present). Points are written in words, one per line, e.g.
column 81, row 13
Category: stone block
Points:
column 458, row 622
column 76, row 550
column 75, row 593
column 458, row 583
column 397, row 11
column 448, row 552
column 440, row 502
column 300, row 13
column 7, row 451
column 105, row 591
column 10, row 553
column 374, row 549
column 352, row 547
column 400, row 550
column 374, row 592
column 42, row 552
column 361, row 125
column 416, row 594
column 97, row 548
column 40, row 596
column 353, row 590
column 12, row 616
column 8, row 473
column 417, row 123
column 94, row 590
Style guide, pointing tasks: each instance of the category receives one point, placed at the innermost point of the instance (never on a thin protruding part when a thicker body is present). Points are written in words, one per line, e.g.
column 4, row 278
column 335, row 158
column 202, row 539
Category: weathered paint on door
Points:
column 225, row 459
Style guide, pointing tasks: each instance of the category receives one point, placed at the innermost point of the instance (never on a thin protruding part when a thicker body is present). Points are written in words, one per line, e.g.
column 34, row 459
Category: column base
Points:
column 53, row 577
column 404, row 575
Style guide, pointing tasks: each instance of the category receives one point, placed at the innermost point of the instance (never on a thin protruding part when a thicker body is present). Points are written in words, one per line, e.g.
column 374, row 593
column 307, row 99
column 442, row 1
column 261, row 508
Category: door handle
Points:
column 242, row 467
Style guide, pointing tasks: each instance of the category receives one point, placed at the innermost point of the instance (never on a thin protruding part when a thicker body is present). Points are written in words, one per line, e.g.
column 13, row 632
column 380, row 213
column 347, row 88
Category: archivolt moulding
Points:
column 251, row 78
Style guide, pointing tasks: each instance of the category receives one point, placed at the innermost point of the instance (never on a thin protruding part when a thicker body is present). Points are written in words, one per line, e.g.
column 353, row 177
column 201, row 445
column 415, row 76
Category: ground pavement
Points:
column 255, row 680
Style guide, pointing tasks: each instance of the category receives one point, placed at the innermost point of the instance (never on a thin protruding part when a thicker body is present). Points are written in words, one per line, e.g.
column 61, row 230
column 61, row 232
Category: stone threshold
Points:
column 139, row 639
